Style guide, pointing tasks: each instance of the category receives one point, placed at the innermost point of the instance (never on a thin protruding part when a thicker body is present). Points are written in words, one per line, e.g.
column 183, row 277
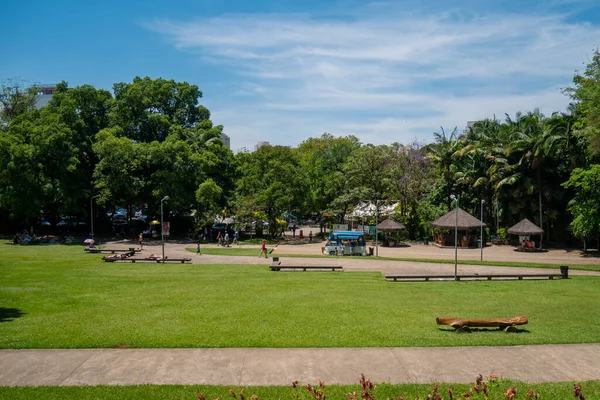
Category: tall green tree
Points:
column 270, row 182
column 39, row 167
column 368, row 177
column 147, row 108
column 442, row 153
column 411, row 175
column 586, row 93
column 86, row 111
column 322, row 160
column 585, row 206
column 16, row 98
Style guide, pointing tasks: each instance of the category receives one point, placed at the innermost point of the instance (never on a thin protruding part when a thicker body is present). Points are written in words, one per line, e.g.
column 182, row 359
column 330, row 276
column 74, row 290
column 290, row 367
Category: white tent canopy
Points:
column 368, row 209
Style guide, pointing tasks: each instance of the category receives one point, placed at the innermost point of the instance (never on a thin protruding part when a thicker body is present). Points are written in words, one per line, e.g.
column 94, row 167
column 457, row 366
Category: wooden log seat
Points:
column 506, row 324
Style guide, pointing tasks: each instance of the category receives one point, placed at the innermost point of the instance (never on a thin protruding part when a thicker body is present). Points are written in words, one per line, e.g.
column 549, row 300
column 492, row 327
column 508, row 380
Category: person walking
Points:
column 141, row 240
column 198, row 248
column 310, row 235
column 263, row 249
column 226, row 242
column 236, row 238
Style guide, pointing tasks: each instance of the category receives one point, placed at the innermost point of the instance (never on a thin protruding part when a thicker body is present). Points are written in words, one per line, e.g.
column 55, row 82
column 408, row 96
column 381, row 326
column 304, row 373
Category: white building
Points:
column 261, row 144
column 45, row 93
column 226, row 140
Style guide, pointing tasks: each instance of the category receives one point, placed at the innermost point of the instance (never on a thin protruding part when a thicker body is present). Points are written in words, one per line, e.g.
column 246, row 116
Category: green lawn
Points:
column 59, row 297
column 564, row 390
column 233, row 251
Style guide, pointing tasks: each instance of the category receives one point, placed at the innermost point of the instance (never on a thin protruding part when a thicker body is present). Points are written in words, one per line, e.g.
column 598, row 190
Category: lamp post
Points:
column 481, row 229
column 376, row 231
column 92, row 214
column 453, row 197
column 162, row 229
column 497, row 226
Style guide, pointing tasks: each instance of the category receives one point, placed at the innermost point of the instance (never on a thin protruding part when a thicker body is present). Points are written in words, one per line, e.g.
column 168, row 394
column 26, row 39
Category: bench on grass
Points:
column 152, row 260
column 505, row 324
column 120, row 256
column 476, row 277
column 277, row 267
column 112, row 251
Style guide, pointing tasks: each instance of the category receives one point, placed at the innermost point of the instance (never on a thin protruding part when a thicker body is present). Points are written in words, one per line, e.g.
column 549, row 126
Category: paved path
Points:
column 387, row 267
column 250, row 367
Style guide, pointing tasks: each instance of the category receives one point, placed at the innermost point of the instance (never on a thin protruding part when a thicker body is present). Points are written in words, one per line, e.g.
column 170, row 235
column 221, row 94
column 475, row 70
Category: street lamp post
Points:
column 162, row 229
column 453, row 197
column 92, row 214
column 481, row 229
column 376, row 231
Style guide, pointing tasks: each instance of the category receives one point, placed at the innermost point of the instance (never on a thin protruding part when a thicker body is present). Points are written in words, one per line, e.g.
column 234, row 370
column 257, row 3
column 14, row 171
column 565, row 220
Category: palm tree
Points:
column 527, row 144
column 442, row 154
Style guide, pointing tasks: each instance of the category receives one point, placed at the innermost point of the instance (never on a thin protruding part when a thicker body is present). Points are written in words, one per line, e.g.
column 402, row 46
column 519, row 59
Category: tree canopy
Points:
column 152, row 138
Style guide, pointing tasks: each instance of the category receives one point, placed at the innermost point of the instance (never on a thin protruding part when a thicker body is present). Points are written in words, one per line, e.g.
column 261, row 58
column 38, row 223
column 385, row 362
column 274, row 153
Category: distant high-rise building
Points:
column 226, row 140
column 261, row 144
column 469, row 126
column 45, row 93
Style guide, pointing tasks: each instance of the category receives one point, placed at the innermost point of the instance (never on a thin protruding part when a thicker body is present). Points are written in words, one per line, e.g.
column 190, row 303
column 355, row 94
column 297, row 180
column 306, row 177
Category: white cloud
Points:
column 382, row 74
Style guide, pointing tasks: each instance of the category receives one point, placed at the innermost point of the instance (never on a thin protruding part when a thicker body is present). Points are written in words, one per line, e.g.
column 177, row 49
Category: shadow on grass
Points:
column 514, row 330
column 9, row 314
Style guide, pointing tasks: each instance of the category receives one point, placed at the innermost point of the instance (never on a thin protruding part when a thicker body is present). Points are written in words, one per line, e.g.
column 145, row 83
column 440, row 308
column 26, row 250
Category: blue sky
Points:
column 283, row 71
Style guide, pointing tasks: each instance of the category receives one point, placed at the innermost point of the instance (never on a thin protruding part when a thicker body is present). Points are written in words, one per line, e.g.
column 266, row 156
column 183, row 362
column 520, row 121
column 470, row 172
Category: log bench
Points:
column 277, row 267
column 464, row 325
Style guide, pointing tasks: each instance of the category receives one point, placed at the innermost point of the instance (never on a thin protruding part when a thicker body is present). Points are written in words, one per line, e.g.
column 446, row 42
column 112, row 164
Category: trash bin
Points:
column 301, row 234
column 564, row 271
column 371, row 250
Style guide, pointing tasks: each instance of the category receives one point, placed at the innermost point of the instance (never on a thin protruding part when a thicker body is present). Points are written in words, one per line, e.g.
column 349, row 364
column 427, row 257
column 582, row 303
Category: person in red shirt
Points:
column 263, row 249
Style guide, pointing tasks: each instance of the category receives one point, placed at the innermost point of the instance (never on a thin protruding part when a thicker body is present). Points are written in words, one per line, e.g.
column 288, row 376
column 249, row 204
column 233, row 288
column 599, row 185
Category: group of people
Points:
column 120, row 256
column 223, row 239
column 528, row 244
column 26, row 238
column 23, row 237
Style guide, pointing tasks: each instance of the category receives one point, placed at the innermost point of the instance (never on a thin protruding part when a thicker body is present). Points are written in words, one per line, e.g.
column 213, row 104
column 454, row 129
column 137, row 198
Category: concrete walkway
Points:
column 386, row 267
column 251, row 367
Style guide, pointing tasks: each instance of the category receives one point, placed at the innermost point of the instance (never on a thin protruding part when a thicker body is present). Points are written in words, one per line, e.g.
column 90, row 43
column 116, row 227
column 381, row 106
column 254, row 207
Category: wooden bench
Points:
column 120, row 256
column 478, row 277
column 112, row 251
column 277, row 267
column 152, row 260
column 505, row 324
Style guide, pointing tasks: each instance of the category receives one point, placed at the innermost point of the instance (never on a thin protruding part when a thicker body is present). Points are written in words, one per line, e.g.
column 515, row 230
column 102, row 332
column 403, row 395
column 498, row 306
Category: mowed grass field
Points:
column 563, row 390
column 59, row 297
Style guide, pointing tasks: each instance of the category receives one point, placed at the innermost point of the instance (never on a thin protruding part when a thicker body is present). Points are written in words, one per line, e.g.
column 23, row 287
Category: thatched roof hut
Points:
column 390, row 225
column 465, row 221
column 525, row 228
